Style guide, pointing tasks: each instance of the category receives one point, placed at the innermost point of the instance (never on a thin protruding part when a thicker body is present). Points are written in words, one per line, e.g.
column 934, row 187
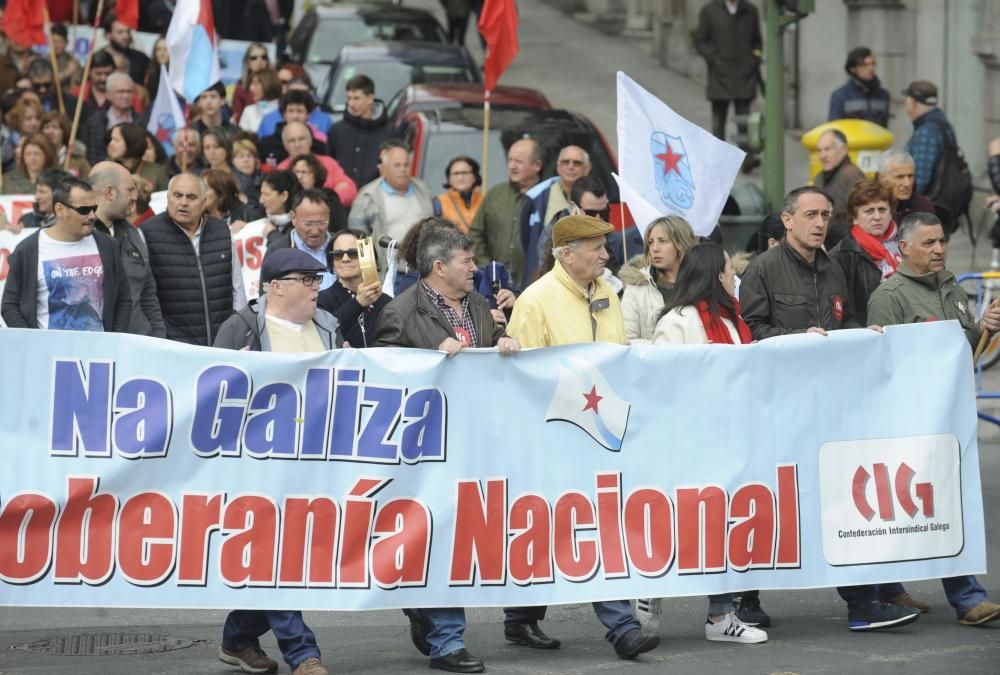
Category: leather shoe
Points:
column 635, row 642
column 459, row 661
column 418, row 632
column 529, row 635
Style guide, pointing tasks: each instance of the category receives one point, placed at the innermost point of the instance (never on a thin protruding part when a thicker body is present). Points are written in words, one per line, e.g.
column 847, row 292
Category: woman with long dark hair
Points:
column 703, row 310
column 126, row 144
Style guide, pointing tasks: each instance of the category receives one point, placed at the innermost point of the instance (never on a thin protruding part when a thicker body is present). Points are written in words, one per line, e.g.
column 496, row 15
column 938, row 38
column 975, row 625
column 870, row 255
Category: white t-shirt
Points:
column 70, row 284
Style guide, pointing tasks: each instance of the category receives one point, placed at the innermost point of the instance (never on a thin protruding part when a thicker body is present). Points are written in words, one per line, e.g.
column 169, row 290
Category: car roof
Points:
column 455, row 94
column 374, row 12
column 427, row 53
column 468, row 117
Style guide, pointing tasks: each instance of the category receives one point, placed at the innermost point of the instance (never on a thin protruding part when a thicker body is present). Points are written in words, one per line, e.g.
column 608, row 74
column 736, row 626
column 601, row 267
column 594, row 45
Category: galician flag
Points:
column 674, row 165
column 584, row 398
column 193, row 46
column 166, row 116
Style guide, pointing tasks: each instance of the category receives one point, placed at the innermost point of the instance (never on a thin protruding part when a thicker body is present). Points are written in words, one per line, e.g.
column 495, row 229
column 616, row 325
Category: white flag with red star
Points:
column 674, row 165
column 584, row 398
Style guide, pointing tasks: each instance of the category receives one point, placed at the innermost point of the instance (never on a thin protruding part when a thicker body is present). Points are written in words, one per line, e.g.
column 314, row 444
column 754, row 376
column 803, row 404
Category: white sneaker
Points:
column 731, row 629
column 647, row 611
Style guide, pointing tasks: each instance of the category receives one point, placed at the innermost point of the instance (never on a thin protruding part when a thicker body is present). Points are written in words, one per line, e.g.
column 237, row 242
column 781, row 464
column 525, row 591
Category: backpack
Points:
column 951, row 188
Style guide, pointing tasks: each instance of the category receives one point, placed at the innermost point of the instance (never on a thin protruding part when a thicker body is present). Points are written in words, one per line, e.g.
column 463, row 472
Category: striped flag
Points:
column 166, row 115
column 194, row 48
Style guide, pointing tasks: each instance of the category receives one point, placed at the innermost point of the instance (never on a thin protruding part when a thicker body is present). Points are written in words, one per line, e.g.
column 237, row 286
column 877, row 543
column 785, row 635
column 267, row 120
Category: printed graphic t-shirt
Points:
column 70, row 284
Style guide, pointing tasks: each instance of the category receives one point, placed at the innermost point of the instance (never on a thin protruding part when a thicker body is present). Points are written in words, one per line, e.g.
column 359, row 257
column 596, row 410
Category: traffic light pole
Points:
column 774, row 99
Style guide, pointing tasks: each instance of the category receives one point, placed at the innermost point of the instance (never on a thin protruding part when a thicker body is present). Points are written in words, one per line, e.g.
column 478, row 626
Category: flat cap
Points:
column 285, row 260
column 922, row 91
column 572, row 228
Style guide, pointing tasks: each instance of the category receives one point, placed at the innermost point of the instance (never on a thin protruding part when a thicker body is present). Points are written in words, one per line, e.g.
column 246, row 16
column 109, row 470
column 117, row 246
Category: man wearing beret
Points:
column 283, row 319
column 572, row 304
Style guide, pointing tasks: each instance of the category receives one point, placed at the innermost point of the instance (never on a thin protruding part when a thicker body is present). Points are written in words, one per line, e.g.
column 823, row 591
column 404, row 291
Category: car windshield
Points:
column 331, row 35
column 441, row 148
column 391, row 76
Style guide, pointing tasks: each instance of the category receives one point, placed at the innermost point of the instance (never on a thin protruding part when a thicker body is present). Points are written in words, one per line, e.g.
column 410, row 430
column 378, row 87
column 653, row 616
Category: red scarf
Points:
column 716, row 329
column 874, row 247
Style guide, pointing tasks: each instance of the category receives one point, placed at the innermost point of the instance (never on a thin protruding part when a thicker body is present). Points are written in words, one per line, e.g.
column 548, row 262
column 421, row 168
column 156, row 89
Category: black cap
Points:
column 285, row 260
column 922, row 91
column 218, row 88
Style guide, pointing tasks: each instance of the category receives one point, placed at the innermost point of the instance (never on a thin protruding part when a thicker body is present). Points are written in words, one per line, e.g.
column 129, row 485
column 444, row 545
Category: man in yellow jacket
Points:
column 573, row 304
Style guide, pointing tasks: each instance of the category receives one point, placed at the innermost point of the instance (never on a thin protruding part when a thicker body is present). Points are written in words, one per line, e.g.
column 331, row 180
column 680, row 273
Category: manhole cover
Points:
column 106, row 644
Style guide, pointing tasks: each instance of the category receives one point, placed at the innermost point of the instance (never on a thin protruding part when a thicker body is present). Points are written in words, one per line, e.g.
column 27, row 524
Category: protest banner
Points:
column 12, row 207
column 251, row 244
column 146, row 473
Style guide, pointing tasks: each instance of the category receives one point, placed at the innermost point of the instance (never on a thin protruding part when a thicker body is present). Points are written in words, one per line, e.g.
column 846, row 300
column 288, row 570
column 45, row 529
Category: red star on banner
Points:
column 670, row 160
column 592, row 400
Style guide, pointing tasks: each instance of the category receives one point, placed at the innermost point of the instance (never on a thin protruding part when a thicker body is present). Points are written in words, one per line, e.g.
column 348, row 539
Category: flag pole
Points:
column 57, row 81
column 83, row 84
column 486, row 140
column 72, row 33
column 621, row 213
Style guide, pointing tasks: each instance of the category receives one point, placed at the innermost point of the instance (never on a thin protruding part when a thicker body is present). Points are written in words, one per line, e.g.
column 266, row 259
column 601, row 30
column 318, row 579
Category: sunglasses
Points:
column 598, row 213
column 82, row 210
column 258, row 57
column 351, row 253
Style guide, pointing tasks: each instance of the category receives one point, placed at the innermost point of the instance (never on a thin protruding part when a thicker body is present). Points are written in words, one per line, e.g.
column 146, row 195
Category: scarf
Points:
column 716, row 329
column 883, row 250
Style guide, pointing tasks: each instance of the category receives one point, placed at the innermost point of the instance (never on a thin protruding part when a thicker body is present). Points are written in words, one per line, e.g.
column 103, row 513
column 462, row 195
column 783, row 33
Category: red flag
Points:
column 24, row 22
column 498, row 26
column 128, row 13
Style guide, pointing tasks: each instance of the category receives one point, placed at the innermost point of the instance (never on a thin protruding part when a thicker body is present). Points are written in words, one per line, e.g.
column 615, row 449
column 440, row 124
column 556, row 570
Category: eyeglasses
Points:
column 598, row 213
column 307, row 280
column 572, row 162
column 41, row 86
column 82, row 210
column 351, row 253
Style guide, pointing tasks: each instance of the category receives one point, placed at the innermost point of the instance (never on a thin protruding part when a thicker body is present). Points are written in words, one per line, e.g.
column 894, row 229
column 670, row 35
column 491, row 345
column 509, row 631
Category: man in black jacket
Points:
column 85, row 287
column 114, row 189
column 198, row 277
column 442, row 312
column 795, row 287
column 355, row 139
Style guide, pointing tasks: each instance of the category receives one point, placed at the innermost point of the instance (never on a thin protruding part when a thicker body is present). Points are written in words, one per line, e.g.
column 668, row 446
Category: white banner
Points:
column 250, row 247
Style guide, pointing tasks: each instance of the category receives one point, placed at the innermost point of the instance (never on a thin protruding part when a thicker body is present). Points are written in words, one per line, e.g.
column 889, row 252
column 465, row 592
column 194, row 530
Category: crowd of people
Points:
column 531, row 262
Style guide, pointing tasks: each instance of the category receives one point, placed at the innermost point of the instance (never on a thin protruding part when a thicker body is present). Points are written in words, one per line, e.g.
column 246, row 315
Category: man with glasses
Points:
column 120, row 90
column 390, row 205
column 114, row 190
column 573, row 304
column 42, row 81
column 546, row 200
column 283, row 319
column 66, row 276
column 198, row 277
column 310, row 232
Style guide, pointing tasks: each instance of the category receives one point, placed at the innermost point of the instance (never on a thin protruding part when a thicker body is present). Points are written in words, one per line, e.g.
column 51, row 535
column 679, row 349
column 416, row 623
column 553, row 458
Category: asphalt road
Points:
column 575, row 66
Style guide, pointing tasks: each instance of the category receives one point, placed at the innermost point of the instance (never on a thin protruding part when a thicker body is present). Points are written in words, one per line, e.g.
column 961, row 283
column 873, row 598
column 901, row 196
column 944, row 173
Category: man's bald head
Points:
column 114, row 189
column 297, row 139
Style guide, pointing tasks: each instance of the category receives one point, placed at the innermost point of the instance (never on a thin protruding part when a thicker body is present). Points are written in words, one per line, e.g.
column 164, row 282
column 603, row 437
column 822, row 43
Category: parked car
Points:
column 455, row 95
column 436, row 136
column 323, row 31
column 394, row 65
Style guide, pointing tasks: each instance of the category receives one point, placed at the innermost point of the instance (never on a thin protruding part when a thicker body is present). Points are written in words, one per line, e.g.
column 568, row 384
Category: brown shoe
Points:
column 906, row 600
column 311, row 666
column 984, row 612
column 250, row 659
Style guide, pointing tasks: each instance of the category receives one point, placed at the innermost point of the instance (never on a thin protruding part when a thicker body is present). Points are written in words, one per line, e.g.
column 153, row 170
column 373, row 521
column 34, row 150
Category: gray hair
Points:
column 118, row 77
column 201, row 182
column 439, row 243
column 557, row 251
column 792, row 198
column 838, row 136
column 912, row 222
column 891, row 157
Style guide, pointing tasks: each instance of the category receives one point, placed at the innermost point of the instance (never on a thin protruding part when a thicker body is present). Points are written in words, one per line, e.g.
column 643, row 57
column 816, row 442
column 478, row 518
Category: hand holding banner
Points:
column 674, row 165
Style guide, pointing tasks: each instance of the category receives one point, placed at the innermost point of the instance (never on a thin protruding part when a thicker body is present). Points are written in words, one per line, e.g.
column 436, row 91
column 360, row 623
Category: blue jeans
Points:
column 616, row 615
column 296, row 642
column 963, row 592
column 447, row 626
column 720, row 604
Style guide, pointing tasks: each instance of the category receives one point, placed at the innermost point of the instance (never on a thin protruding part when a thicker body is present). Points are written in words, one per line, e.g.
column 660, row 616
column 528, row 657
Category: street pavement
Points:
column 575, row 66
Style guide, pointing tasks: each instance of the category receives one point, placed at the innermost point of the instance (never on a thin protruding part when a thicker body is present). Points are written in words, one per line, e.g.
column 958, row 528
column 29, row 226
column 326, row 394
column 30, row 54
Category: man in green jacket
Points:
column 923, row 290
column 496, row 230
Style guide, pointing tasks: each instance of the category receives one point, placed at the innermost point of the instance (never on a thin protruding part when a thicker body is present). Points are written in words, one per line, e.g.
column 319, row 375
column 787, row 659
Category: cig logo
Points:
column 924, row 492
